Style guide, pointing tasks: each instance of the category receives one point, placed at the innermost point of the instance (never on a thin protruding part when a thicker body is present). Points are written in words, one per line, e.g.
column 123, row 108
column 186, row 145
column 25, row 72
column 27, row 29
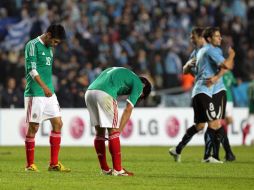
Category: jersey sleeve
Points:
column 31, row 56
column 216, row 56
column 136, row 91
column 193, row 55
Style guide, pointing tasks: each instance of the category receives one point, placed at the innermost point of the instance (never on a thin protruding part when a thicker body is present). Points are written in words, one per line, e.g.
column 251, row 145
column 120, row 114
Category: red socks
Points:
column 55, row 140
column 245, row 131
column 115, row 150
column 29, row 150
column 99, row 145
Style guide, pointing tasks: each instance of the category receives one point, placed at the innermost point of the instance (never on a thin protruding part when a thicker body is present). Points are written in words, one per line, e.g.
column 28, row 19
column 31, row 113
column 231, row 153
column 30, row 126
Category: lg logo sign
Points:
column 172, row 127
column 77, row 127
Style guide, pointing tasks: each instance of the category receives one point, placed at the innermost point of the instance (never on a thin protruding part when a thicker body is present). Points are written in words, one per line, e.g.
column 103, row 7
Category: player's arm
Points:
column 46, row 90
column 188, row 67
column 214, row 79
column 229, row 62
column 125, row 116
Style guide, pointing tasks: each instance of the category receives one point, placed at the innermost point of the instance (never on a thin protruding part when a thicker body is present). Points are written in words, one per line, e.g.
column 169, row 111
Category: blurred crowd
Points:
column 151, row 37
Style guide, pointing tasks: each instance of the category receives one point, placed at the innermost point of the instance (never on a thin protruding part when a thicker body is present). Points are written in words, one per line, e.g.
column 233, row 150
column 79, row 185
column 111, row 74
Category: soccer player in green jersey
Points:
column 250, row 120
column 40, row 100
column 101, row 101
column 229, row 81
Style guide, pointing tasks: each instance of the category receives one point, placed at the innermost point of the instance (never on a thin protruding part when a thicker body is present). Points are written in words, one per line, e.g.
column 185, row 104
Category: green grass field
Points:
column 153, row 169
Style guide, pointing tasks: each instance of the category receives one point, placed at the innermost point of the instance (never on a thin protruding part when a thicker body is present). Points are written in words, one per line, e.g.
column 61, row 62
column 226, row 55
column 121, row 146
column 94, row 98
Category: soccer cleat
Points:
column 172, row 152
column 212, row 160
column 104, row 172
column 31, row 168
column 59, row 167
column 122, row 172
column 230, row 157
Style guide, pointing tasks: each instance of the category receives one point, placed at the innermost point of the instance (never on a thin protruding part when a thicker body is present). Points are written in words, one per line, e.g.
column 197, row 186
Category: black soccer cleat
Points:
column 230, row 157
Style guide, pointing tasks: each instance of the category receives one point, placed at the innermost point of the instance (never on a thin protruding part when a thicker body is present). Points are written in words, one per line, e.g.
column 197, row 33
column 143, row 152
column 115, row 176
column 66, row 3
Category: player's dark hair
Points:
column 198, row 31
column 209, row 32
column 147, row 88
column 57, row 31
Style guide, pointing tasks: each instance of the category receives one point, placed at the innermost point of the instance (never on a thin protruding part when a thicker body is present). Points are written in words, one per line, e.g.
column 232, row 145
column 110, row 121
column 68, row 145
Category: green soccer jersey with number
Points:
column 229, row 81
column 251, row 97
column 117, row 81
column 38, row 57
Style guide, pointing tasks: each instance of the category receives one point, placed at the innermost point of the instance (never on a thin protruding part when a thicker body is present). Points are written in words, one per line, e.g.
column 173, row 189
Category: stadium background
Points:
column 150, row 37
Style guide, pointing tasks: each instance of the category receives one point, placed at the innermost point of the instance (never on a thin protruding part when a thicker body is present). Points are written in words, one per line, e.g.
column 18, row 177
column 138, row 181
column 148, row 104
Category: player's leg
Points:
column 30, row 146
column 115, row 151
column 53, row 113
column 223, row 139
column 211, row 139
column 176, row 151
column 55, row 141
column 199, row 119
column 245, row 131
column 188, row 136
column 100, row 148
column 33, row 109
column 228, row 120
column 100, row 118
column 224, row 108
column 246, row 128
column 115, row 148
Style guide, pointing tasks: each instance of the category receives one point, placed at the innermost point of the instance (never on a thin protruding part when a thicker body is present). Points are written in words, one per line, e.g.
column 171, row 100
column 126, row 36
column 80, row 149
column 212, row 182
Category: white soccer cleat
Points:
column 104, row 172
column 212, row 160
column 172, row 152
column 122, row 172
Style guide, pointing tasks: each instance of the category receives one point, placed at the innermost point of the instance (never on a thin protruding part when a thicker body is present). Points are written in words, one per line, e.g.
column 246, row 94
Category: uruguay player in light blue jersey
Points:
column 208, row 65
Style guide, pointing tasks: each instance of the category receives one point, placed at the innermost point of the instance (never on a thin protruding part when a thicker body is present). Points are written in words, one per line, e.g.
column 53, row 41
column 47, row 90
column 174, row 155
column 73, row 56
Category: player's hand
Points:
column 192, row 62
column 211, row 81
column 231, row 52
column 47, row 92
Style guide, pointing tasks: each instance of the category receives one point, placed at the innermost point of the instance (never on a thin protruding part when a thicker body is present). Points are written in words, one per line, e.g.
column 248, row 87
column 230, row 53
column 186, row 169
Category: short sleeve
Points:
column 216, row 55
column 31, row 56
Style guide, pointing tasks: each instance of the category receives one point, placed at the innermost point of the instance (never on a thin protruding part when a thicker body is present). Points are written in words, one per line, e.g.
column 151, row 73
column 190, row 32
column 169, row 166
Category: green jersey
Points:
column 229, row 81
column 38, row 57
column 251, row 97
column 117, row 81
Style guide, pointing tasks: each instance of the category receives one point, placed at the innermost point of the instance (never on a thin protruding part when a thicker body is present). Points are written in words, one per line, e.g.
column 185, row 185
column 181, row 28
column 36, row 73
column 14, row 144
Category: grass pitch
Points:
column 152, row 166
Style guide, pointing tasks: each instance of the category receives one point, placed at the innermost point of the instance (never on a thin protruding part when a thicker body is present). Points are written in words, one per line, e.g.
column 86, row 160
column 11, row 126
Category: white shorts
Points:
column 229, row 109
column 102, row 109
column 39, row 109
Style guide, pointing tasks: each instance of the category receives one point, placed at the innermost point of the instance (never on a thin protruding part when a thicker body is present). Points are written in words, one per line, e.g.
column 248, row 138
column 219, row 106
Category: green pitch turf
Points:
column 153, row 168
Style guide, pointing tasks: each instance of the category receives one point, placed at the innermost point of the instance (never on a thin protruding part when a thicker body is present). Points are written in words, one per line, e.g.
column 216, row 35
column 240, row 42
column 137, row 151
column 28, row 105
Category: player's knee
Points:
column 100, row 131
column 112, row 130
column 214, row 124
column 57, row 126
column 200, row 126
column 33, row 128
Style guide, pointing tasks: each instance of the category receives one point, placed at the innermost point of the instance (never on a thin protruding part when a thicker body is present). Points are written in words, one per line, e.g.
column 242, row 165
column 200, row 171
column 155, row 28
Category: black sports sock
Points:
column 186, row 138
column 221, row 134
column 217, row 149
column 210, row 143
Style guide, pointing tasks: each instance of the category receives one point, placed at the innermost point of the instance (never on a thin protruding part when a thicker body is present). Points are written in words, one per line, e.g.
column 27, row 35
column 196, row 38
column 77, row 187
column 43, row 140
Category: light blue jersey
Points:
column 209, row 58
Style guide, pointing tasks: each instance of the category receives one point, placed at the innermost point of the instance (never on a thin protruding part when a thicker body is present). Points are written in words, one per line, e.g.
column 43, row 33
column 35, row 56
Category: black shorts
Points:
column 208, row 109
